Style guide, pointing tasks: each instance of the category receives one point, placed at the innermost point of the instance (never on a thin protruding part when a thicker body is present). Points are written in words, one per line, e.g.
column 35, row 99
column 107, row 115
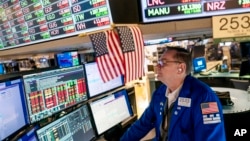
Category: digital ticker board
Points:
column 166, row 10
column 24, row 22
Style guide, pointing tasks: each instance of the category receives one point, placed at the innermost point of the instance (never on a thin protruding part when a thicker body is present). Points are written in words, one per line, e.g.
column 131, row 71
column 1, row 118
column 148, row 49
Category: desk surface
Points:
column 221, row 74
column 212, row 64
column 239, row 97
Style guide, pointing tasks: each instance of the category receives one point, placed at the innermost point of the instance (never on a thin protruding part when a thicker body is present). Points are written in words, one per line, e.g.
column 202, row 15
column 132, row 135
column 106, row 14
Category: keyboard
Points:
column 234, row 71
column 205, row 73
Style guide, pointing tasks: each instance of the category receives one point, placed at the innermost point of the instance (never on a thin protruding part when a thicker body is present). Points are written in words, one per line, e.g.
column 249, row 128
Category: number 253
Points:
column 235, row 23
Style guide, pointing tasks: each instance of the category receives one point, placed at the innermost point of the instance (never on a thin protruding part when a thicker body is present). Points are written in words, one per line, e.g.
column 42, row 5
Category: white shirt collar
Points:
column 173, row 96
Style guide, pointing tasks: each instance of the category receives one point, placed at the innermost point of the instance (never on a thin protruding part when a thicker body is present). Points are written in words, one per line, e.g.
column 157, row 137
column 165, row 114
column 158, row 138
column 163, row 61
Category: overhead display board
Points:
column 231, row 25
column 166, row 10
column 24, row 22
column 231, row 28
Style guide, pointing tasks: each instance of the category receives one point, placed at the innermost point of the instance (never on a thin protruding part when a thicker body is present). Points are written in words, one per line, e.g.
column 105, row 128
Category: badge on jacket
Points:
column 185, row 102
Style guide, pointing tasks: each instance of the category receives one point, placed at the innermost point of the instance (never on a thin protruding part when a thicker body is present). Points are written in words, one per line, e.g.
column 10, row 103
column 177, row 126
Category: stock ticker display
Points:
column 23, row 22
column 163, row 10
column 52, row 91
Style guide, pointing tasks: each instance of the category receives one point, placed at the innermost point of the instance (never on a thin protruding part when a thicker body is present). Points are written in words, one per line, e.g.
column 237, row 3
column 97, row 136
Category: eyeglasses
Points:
column 163, row 62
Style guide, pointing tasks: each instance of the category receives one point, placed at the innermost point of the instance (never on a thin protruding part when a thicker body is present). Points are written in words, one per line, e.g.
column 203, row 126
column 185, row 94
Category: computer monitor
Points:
column 198, row 51
column 29, row 135
column 95, row 84
column 13, row 111
column 2, row 69
column 75, row 126
column 199, row 64
column 67, row 59
column 110, row 110
column 51, row 91
column 245, row 50
column 245, row 68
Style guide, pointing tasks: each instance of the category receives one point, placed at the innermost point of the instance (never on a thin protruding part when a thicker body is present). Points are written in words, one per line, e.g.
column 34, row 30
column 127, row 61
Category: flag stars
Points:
column 100, row 44
column 127, row 40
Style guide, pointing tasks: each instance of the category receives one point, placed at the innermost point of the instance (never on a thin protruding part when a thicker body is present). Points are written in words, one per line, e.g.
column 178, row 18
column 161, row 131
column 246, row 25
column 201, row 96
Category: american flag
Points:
column 109, row 56
column 132, row 47
column 209, row 108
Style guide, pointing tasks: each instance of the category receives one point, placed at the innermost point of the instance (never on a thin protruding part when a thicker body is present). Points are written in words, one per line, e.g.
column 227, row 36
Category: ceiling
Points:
column 187, row 29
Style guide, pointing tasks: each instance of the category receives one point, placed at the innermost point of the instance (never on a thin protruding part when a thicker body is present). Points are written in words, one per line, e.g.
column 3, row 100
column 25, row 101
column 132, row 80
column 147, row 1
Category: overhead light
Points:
column 158, row 41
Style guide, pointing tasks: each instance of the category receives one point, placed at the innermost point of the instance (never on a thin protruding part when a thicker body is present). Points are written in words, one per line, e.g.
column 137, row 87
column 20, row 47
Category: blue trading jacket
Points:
column 188, row 123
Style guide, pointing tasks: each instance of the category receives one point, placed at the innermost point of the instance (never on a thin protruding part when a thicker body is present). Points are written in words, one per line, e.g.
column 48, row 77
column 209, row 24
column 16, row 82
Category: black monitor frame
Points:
column 12, row 80
column 101, row 86
column 56, row 59
column 117, row 125
column 245, row 68
column 245, row 50
column 198, row 70
column 78, row 126
column 29, row 134
column 65, row 92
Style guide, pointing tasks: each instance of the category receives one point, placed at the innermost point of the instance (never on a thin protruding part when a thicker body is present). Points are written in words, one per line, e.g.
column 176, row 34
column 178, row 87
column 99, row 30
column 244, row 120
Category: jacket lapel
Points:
column 177, row 110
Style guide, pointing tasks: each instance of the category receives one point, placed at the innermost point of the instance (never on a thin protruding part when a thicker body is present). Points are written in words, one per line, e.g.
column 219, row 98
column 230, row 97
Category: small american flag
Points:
column 109, row 56
column 132, row 47
column 209, row 108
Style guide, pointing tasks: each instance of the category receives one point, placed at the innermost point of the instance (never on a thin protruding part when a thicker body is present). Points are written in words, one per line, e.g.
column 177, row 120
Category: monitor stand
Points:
column 114, row 133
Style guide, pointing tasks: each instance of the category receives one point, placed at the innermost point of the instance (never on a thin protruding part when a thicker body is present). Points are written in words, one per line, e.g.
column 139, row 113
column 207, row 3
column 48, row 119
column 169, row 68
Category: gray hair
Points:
column 182, row 55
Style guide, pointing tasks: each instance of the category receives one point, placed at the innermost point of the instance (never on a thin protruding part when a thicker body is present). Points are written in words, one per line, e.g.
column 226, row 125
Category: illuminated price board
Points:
column 92, row 23
column 174, row 10
column 237, row 25
column 39, row 36
column 56, row 6
column 25, row 22
column 167, row 10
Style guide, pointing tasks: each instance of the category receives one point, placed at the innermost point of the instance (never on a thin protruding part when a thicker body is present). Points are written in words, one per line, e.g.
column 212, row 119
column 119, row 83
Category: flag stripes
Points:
column 209, row 108
column 108, row 58
column 119, row 54
column 132, row 48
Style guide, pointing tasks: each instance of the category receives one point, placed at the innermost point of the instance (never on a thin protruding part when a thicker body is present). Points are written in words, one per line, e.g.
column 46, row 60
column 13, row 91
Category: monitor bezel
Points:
column 245, row 68
column 244, row 55
column 23, row 101
column 66, row 52
column 54, row 113
column 128, row 103
column 103, row 92
column 71, row 112
column 205, row 64
column 31, row 129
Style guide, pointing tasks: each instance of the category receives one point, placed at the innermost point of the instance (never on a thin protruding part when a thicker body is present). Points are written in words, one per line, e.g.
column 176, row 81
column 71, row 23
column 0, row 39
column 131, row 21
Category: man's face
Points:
column 167, row 67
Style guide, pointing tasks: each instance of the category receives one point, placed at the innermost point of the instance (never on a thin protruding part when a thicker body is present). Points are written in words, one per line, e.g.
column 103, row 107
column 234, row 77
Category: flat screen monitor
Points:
column 95, row 84
column 198, row 51
column 67, row 59
column 245, row 50
column 11, row 67
column 2, row 69
column 13, row 111
column 199, row 64
column 245, row 68
column 29, row 135
column 110, row 110
column 166, row 10
column 51, row 91
column 75, row 126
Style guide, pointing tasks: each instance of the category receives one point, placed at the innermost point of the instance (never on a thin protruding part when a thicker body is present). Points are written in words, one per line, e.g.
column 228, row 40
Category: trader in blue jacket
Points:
column 182, row 108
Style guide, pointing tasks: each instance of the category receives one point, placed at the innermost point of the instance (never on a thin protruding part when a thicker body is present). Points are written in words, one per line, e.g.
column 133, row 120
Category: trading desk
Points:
column 236, row 117
column 221, row 74
column 219, row 79
column 239, row 97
